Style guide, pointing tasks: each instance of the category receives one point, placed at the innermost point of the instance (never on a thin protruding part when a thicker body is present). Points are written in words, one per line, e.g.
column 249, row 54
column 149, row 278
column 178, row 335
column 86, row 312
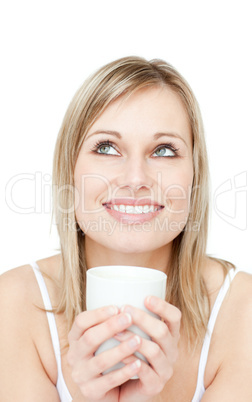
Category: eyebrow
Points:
column 173, row 135
column 156, row 136
column 115, row 133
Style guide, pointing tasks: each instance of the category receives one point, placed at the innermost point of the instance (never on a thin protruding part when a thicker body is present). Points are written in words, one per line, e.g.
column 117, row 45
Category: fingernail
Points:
column 125, row 309
column 135, row 365
column 125, row 319
column 112, row 310
column 152, row 300
column 133, row 342
column 120, row 334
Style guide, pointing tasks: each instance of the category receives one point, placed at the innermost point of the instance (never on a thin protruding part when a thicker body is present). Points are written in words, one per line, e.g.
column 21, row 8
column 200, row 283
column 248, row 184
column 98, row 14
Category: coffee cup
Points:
column 119, row 285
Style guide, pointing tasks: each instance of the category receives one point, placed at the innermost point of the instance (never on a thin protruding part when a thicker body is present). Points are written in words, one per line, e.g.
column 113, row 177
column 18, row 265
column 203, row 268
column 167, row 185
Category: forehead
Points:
column 147, row 110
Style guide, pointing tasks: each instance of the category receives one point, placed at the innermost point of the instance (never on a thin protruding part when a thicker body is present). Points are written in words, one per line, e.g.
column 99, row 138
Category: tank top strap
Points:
column 61, row 385
column 200, row 388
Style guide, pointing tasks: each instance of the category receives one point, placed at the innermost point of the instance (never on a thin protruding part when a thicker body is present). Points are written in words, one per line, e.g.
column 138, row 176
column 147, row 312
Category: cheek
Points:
column 91, row 190
column 177, row 194
column 177, row 199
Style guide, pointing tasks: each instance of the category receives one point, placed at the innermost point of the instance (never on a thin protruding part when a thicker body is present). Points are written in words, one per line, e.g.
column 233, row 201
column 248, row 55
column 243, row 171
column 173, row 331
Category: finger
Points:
column 87, row 319
column 169, row 313
column 152, row 383
column 86, row 370
column 95, row 336
column 160, row 361
column 153, row 327
column 129, row 359
column 155, row 356
column 104, row 361
column 123, row 336
column 156, row 329
column 98, row 388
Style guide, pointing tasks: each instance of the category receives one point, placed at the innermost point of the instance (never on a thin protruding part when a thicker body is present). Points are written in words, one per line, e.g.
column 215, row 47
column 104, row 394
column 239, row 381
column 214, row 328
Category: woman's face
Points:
column 134, row 173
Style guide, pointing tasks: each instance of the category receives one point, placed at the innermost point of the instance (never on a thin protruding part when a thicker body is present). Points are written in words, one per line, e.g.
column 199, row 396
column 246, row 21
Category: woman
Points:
column 130, row 188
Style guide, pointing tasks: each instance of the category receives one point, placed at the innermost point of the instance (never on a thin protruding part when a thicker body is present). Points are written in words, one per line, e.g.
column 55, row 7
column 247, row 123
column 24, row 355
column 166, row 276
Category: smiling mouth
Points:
column 133, row 209
column 136, row 208
column 129, row 211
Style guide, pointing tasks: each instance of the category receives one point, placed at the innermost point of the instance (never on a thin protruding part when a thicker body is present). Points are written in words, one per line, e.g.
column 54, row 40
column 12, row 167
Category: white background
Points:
column 47, row 50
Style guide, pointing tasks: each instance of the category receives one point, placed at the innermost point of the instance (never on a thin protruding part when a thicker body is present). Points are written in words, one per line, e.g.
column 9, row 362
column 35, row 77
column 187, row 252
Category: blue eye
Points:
column 105, row 148
column 166, row 150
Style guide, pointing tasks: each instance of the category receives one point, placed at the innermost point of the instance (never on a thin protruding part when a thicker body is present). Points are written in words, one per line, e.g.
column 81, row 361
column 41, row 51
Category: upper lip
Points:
column 132, row 201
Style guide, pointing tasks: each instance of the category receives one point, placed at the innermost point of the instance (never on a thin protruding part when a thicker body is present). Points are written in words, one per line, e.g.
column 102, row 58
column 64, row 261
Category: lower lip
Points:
column 130, row 219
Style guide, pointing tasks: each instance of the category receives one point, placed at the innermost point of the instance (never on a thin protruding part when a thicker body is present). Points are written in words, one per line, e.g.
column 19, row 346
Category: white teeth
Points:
column 131, row 209
column 139, row 209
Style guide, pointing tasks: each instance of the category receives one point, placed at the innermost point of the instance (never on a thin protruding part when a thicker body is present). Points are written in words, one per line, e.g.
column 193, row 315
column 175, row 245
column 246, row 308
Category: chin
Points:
column 138, row 245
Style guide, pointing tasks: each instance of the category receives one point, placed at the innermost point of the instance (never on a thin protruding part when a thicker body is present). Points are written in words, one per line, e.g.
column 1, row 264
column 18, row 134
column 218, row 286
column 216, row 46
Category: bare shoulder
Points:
column 16, row 285
column 243, row 282
column 18, row 294
column 230, row 355
column 19, row 283
column 214, row 276
column 23, row 326
column 238, row 301
column 239, row 298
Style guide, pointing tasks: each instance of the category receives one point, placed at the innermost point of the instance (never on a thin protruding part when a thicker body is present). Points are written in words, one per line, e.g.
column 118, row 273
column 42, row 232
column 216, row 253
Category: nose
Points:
column 135, row 175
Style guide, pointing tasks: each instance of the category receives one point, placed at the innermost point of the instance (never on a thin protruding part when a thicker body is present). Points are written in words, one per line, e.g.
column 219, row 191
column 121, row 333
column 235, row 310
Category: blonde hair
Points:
column 186, row 288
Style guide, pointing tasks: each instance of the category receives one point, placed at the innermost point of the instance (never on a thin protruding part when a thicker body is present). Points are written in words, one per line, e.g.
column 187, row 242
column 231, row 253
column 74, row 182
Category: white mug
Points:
column 119, row 285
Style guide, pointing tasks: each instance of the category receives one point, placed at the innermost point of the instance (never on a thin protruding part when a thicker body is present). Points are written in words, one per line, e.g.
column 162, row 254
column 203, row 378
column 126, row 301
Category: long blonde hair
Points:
column 186, row 288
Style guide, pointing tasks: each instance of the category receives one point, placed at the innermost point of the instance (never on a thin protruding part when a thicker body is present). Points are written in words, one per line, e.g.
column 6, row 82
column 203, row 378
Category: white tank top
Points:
column 63, row 392
column 62, row 389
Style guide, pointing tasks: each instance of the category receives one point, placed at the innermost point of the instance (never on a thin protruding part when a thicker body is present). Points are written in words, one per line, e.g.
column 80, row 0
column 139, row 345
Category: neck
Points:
column 98, row 255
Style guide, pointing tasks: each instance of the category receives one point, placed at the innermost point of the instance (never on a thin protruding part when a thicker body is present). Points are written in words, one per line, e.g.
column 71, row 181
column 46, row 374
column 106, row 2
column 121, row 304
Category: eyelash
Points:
column 169, row 145
column 100, row 144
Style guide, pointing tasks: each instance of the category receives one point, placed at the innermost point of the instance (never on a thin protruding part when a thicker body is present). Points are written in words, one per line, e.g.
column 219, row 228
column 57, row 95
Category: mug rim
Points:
column 152, row 273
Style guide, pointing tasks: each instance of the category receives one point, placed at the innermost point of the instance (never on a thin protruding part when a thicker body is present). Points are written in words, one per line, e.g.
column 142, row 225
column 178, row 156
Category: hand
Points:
column 89, row 331
column 161, row 351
